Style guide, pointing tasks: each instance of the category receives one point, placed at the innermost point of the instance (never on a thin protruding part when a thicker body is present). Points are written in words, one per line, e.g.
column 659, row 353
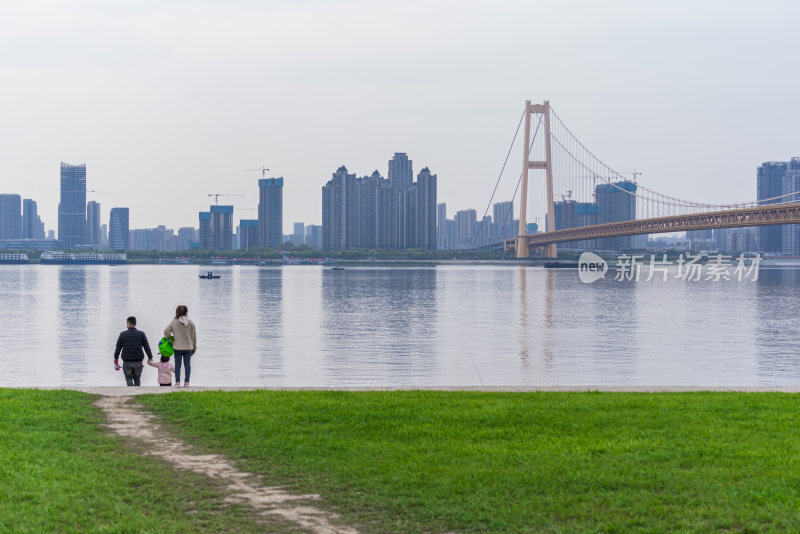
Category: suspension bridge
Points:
column 600, row 203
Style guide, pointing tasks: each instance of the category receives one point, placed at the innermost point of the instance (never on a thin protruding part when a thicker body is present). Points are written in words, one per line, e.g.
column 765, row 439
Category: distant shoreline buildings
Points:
column 72, row 206
column 373, row 212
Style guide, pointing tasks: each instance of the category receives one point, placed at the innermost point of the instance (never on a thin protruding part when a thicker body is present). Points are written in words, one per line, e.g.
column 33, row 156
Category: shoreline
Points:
column 142, row 390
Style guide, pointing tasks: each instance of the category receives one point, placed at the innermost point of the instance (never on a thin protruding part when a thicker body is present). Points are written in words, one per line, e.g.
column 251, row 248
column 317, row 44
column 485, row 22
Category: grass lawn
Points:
column 60, row 471
column 515, row 462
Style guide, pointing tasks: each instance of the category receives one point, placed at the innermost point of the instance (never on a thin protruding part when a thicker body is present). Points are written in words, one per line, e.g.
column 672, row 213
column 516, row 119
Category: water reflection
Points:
column 72, row 348
column 269, row 318
column 457, row 325
column 379, row 325
column 522, row 336
column 777, row 307
column 18, row 295
column 119, row 292
column 590, row 330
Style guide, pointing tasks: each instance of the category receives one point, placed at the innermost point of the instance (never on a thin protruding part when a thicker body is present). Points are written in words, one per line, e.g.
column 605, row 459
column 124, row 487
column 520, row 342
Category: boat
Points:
column 13, row 258
column 210, row 275
column 286, row 259
column 337, row 268
column 180, row 260
column 561, row 264
column 54, row 257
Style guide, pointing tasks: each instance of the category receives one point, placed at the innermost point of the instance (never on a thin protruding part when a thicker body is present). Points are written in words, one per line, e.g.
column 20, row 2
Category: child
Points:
column 165, row 370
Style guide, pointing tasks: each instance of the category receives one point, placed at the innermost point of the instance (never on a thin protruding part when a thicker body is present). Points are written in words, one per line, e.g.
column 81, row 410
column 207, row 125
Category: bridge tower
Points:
column 523, row 251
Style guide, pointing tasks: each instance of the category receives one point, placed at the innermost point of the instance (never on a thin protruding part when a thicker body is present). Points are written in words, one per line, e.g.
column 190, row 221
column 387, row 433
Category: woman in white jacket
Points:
column 184, row 343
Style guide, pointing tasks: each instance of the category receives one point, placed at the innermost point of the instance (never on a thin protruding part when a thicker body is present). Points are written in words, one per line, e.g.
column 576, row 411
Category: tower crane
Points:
column 217, row 195
column 262, row 169
column 634, row 172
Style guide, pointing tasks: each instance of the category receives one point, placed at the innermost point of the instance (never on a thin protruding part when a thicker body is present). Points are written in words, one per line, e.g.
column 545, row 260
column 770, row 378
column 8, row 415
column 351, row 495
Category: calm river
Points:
column 453, row 325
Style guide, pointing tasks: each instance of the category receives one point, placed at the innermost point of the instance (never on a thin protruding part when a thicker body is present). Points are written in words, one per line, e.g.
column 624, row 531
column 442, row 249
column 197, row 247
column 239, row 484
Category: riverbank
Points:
column 410, row 461
column 413, row 461
column 61, row 471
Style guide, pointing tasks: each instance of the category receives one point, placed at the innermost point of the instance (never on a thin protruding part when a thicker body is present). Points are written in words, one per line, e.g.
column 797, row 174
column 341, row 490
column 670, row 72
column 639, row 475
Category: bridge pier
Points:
column 522, row 247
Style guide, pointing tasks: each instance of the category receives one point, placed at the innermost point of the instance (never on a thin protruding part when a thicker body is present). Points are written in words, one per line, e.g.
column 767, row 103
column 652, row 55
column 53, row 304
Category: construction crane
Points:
column 217, row 195
column 262, row 169
column 634, row 172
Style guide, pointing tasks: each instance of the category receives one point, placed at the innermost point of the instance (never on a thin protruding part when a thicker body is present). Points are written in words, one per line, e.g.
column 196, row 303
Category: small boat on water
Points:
column 565, row 264
column 338, row 268
column 210, row 275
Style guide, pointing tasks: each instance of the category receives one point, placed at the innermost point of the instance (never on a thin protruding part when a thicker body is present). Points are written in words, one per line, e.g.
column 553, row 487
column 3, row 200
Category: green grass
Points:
column 517, row 462
column 60, row 471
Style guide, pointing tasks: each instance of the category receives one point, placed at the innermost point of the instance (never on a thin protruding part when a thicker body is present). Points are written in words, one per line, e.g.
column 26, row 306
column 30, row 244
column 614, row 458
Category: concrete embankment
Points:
column 127, row 391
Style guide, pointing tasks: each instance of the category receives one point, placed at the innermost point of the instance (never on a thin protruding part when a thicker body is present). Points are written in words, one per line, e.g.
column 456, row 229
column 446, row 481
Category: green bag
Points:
column 165, row 347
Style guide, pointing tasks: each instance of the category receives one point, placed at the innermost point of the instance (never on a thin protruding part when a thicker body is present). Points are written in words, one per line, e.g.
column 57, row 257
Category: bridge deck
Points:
column 756, row 216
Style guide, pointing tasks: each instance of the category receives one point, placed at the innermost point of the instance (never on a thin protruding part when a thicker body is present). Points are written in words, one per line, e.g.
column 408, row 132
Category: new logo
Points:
column 591, row 267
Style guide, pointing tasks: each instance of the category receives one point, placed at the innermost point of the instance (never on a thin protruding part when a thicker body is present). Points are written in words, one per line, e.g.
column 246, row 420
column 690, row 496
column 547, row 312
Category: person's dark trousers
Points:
column 183, row 357
column 133, row 372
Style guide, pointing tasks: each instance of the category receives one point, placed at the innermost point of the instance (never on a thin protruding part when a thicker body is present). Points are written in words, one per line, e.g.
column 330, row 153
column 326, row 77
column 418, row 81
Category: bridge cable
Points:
column 502, row 169
column 658, row 198
column 519, row 181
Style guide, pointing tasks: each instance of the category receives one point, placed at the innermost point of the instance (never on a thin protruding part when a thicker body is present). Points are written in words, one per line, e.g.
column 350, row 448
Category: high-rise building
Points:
column 425, row 207
column 104, row 236
column 441, row 226
column 364, row 211
column 387, row 216
column 72, row 207
column 699, row 235
column 339, row 211
column 221, row 227
column 484, row 231
column 790, row 184
column 504, row 220
column 118, row 229
column 93, row 224
column 270, row 212
column 137, row 239
column 465, row 227
column 205, row 230
column 572, row 214
column 299, row 235
column 769, row 189
column 10, row 217
column 32, row 225
column 401, row 172
column 314, row 236
column 187, row 238
column 450, row 233
column 248, row 234
column 372, row 212
column 616, row 202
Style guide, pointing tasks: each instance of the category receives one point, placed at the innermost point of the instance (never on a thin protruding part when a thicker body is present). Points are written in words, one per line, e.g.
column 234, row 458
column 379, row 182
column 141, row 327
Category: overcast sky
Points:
column 167, row 102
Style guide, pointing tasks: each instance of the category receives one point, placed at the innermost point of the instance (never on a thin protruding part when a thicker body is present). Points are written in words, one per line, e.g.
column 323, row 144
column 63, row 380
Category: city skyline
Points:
column 671, row 109
column 426, row 228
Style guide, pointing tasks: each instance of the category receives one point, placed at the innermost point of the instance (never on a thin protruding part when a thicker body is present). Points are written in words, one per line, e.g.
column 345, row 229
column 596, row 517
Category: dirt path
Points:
column 132, row 422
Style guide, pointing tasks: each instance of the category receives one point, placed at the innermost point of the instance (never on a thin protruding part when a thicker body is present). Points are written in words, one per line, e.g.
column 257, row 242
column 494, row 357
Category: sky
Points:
column 167, row 102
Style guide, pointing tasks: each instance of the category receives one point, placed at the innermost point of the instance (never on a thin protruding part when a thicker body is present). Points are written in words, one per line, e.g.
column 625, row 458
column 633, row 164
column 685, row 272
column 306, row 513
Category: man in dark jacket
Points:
column 130, row 343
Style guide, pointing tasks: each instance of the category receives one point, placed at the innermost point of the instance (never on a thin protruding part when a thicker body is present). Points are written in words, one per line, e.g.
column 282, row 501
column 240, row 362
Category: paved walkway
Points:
column 118, row 391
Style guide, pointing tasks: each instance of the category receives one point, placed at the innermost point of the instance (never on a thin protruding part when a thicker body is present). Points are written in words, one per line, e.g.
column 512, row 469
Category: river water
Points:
column 449, row 325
